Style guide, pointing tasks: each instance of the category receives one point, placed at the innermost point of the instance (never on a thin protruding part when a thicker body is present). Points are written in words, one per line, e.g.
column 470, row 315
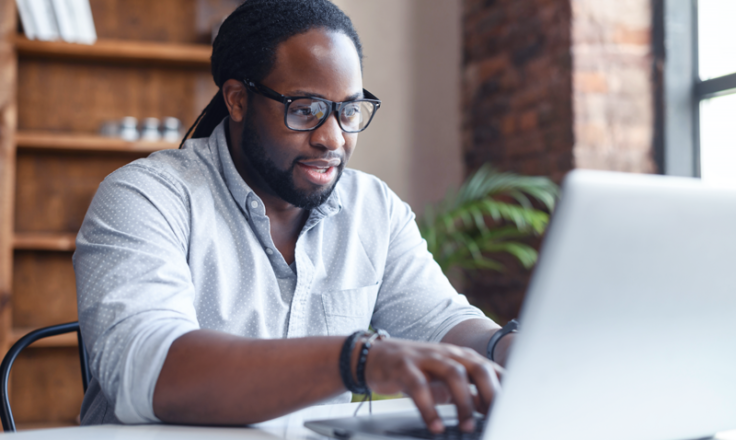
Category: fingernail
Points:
column 468, row 425
column 437, row 426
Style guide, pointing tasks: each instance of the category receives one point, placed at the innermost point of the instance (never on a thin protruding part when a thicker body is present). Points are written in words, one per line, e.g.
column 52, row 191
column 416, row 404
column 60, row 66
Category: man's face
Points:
column 302, row 168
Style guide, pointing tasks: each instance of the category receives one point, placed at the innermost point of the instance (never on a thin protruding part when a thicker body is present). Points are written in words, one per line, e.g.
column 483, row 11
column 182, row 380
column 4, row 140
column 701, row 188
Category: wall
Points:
column 612, row 82
column 517, row 89
column 412, row 63
column 551, row 85
column 8, row 120
column 517, row 110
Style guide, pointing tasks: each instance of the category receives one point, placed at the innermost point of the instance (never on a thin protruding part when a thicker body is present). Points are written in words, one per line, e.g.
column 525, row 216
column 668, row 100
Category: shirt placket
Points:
column 260, row 224
column 306, row 269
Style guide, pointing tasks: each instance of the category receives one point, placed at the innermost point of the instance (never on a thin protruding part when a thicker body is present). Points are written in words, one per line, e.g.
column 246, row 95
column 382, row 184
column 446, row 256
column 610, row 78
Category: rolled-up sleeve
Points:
column 134, row 288
column 416, row 300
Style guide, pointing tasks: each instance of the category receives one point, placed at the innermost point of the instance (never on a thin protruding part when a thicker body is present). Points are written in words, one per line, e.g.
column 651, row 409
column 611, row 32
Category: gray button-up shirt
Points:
column 178, row 242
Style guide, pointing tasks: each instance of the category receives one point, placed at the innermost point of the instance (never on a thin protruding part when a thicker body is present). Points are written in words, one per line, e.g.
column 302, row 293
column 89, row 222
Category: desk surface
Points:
column 287, row 427
column 290, row 426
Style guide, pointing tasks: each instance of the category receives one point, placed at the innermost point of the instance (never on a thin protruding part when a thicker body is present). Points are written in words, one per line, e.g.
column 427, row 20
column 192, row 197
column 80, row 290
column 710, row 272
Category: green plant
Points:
column 488, row 215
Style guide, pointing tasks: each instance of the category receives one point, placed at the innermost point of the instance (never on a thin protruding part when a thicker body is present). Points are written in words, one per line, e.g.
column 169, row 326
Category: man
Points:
column 217, row 283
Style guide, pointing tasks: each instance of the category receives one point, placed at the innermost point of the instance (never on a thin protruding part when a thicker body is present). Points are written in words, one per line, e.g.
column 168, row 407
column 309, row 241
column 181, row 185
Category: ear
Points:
column 235, row 95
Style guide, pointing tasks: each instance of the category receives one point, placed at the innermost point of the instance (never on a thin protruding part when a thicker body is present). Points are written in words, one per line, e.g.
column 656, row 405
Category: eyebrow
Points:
column 352, row 97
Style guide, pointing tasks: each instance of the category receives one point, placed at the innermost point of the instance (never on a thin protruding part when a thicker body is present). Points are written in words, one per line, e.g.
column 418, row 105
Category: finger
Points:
column 482, row 374
column 440, row 393
column 500, row 371
column 418, row 389
column 478, row 402
column 455, row 376
column 496, row 379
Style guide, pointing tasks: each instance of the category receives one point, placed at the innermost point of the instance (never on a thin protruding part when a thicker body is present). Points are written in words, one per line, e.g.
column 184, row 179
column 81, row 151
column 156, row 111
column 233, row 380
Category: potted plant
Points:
column 491, row 213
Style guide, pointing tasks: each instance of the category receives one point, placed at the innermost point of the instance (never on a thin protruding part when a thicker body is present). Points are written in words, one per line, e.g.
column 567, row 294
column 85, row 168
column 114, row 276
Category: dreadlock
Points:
column 246, row 44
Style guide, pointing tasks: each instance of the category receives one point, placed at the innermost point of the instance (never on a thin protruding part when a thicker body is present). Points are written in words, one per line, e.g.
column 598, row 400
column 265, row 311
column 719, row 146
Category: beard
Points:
column 281, row 182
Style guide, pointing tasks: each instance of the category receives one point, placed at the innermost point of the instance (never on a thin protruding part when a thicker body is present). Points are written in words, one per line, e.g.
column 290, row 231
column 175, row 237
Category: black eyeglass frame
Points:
column 335, row 107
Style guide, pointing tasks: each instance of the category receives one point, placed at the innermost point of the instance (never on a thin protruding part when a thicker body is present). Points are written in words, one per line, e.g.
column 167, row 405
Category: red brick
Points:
column 624, row 35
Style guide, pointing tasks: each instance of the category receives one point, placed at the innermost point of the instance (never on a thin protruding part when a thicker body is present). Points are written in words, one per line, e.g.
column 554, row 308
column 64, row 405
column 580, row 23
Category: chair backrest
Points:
column 6, row 414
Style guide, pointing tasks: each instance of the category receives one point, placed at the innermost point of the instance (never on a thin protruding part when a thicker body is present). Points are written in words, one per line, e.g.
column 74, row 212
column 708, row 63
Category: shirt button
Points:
column 254, row 204
column 269, row 251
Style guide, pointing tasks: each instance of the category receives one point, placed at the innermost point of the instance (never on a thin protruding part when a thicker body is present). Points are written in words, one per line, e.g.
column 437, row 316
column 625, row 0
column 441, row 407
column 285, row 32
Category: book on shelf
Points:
column 48, row 20
column 42, row 14
column 29, row 27
column 81, row 13
column 65, row 20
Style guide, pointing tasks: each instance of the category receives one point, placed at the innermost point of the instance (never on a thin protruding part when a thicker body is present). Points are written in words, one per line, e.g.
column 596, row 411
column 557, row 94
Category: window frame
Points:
column 684, row 90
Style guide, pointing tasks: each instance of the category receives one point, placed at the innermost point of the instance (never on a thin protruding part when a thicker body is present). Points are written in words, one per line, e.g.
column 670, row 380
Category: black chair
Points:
column 6, row 414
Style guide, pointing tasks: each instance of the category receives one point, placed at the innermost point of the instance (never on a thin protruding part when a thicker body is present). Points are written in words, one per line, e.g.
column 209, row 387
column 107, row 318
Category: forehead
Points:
column 318, row 61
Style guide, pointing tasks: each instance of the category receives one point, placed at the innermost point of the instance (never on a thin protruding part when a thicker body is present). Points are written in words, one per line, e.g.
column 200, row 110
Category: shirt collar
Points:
column 241, row 191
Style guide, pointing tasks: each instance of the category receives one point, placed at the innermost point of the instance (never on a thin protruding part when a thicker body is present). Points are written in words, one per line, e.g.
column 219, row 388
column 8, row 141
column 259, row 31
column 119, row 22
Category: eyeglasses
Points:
column 307, row 113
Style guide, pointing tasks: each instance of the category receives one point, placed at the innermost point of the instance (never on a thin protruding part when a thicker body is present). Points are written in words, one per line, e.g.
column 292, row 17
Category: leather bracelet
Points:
column 345, row 357
column 363, row 357
column 511, row 327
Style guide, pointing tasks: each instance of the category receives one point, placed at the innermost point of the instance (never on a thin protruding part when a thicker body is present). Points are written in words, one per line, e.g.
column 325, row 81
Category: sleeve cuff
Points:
column 145, row 356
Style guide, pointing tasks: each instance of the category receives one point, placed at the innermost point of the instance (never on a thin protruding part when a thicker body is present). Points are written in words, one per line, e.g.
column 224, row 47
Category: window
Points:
column 715, row 90
column 700, row 89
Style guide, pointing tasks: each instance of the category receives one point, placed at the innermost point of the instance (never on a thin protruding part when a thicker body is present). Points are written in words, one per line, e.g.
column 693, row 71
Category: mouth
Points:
column 319, row 172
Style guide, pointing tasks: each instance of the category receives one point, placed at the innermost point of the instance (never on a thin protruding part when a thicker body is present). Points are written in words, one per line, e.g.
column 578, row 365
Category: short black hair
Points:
column 246, row 44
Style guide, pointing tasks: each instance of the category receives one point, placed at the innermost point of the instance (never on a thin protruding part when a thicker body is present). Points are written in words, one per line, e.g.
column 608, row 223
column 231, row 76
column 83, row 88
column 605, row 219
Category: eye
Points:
column 308, row 109
column 300, row 110
column 351, row 110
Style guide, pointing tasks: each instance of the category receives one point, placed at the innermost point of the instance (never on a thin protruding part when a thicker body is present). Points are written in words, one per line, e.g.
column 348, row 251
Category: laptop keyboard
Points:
column 451, row 433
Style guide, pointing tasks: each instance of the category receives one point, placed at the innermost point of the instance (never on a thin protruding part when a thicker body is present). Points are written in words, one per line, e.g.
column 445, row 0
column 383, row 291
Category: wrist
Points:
column 353, row 358
column 493, row 344
column 363, row 356
column 501, row 352
column 347, row 362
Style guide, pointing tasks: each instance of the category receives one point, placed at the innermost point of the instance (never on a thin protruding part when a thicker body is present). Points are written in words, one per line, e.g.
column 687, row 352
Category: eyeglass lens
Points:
column 306, row 113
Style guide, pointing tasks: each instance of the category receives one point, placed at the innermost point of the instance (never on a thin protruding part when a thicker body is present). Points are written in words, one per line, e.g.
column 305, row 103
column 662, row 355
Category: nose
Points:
column 329, row 135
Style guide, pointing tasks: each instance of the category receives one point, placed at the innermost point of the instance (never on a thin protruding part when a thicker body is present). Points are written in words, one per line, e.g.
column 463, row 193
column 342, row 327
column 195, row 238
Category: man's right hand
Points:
column 431, row 374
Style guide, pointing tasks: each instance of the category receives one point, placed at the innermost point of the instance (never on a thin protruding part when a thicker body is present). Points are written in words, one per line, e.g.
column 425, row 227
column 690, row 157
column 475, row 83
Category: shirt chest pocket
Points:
column 349, row 310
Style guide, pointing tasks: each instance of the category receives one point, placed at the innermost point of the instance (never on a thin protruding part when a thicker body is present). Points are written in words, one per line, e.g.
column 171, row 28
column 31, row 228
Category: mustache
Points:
column 326, row 157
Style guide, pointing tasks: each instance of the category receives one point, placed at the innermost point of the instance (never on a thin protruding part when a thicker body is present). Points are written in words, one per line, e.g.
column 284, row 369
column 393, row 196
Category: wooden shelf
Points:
column 44, row 241
column 119, row 52
column 65, row 340
column 85, row 142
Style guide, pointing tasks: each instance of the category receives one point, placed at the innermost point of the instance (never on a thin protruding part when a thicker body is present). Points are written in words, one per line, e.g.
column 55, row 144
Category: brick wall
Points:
column 517, row 90
column 612, row 84
column 549, row 85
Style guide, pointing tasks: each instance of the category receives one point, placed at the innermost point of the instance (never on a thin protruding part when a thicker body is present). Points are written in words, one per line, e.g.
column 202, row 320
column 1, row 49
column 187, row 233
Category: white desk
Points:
column 287, row 427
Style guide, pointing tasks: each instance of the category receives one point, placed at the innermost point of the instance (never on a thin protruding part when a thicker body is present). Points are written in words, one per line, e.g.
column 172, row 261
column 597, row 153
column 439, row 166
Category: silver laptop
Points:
column 629, row 324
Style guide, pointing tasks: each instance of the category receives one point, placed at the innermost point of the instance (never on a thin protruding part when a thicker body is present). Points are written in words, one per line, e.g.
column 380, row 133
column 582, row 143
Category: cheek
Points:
column 280, row 152
column 351, row 141
column 279, row 143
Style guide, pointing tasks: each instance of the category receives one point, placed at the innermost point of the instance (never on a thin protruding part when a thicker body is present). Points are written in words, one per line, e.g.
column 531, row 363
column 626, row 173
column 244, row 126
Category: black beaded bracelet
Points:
column 363, row 357
column 345, row 355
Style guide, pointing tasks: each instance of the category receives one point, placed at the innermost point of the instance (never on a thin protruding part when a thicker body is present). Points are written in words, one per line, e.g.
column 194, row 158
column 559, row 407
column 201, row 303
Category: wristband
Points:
column 511, row 327
column 345, row 357
column 360, row 370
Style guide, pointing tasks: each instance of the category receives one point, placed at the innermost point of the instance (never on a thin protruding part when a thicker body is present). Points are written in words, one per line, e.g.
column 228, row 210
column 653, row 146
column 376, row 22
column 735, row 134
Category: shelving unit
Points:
column 151, row 60
column 61, row 242
column 118, row 52
column 85, row 142
column 67, row 340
